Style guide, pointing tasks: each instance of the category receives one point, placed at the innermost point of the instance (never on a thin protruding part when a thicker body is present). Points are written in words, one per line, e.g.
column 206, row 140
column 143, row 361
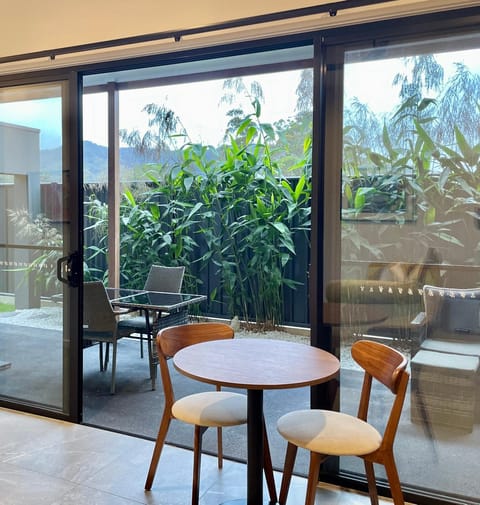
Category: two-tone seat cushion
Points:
column 212, row 409
column 330, row 433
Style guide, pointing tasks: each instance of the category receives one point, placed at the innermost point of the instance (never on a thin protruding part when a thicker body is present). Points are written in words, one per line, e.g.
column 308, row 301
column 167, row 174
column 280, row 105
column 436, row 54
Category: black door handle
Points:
column 68, row 270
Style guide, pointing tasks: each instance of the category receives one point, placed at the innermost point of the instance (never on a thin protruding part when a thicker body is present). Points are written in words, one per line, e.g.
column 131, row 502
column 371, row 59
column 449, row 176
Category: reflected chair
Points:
column 327, row 433
column 163, row 279
column 101, row 324
column 450, row 323
column 445, row 368
column 203, row 410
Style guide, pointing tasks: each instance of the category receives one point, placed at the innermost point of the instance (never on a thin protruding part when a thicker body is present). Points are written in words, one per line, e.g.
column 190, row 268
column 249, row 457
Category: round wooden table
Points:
column 255, row 365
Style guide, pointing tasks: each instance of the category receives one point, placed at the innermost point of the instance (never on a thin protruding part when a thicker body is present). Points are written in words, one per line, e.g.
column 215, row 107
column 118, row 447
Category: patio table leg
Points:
column 150, row 343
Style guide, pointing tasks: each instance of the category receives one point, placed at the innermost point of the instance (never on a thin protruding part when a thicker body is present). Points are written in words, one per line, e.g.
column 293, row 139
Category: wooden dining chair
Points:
column 203, row 410
column 326, row 433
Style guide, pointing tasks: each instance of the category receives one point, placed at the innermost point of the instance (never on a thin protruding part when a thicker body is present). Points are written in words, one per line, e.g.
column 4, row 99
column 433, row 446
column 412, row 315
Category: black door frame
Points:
column 73, row 241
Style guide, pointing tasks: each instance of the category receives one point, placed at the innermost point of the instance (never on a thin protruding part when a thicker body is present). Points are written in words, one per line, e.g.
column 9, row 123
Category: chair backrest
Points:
column 452, row 314
column 98, row 314
column 165, row 279
column 417, row 274
column 388, row 366
column 170, row 340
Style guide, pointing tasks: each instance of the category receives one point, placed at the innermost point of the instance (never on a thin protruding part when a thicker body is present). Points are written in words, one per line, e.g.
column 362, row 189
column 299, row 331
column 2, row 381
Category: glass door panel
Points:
column 34, row 227
column 167, row 141
column 408, row 214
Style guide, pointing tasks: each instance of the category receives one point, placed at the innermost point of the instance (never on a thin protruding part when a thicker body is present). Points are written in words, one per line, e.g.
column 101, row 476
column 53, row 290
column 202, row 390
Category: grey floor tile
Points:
column 49, row 462
column 23, row 487
column 82, row 495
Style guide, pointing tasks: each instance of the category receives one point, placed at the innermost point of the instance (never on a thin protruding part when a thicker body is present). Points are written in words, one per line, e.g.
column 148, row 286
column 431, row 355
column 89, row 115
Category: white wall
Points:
column 32, row 25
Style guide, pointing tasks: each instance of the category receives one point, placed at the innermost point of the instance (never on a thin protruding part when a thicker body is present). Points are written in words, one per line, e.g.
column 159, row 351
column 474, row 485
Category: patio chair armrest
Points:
column 419, row 319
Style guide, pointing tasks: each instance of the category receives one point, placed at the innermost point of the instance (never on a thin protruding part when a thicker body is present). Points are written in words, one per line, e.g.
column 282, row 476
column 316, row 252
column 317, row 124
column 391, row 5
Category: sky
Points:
column 196, row 104
column 372, row 82
column 45, row 114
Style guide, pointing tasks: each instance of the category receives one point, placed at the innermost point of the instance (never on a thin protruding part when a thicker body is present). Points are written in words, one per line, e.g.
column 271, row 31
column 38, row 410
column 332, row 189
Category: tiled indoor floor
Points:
column 49, row 462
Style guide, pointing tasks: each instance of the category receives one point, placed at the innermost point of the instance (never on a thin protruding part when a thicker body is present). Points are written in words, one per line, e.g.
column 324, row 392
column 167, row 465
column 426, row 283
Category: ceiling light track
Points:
column 331, row 8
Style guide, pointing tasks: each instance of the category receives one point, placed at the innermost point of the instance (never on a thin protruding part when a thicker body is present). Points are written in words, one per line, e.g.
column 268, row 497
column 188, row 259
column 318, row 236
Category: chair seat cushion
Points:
column 135, row 322
column 330, row 433
column 449, row 363
column 212, row 408
column 467, row 348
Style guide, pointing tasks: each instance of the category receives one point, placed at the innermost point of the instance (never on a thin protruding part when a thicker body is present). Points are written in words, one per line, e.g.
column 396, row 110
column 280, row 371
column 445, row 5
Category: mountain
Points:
column 95, row 162
column 95, row 159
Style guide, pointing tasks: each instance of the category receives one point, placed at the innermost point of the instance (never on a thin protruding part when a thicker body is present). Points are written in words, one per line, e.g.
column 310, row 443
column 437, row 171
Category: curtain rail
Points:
column 332, row 8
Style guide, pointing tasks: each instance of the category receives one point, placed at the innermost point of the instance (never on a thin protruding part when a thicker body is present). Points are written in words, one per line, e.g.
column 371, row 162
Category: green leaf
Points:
column 242, row 127
column 299, row 187
column 428, row 142
column 129, row 196
column 268, row 130
column 155, row 212
column 195, row 209
column 251, row 132
column 257, row 106
column 471, row 157
column 425, row 102
column 430, row 216
column 349, row 194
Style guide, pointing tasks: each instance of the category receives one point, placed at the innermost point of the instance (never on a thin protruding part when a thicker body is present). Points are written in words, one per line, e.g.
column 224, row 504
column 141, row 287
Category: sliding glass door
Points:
column 405, row 211
column 38, row 267
column 195, row 178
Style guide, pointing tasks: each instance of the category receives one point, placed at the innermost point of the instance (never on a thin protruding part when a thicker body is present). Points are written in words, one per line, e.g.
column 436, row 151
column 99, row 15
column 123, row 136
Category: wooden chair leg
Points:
column 157, row 451
column 393, row 480
column 312, row 482
column 287, row 472
column 197, row 459
column 268, row 467
column 372, row 482
column 141, row 345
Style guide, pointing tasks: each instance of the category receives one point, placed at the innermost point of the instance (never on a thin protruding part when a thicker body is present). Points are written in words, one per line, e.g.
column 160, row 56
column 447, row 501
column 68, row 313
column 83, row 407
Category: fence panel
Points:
column 295, row 301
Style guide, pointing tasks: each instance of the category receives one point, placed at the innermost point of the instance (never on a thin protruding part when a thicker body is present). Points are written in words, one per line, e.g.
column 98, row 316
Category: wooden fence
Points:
column 295, row 301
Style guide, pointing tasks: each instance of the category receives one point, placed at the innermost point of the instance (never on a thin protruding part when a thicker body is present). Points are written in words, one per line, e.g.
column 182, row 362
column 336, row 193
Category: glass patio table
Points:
column 152, row 300
column 175, row 305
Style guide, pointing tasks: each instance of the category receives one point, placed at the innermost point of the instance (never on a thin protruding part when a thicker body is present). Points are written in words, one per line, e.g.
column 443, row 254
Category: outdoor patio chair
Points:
column 445, row 368
column 101, row 324
column 163, row 279
column 328, row 433
column 203, row 410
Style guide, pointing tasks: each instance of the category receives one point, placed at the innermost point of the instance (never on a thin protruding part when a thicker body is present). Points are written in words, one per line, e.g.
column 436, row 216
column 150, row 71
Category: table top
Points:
column 151, row 300
column 253, row 363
